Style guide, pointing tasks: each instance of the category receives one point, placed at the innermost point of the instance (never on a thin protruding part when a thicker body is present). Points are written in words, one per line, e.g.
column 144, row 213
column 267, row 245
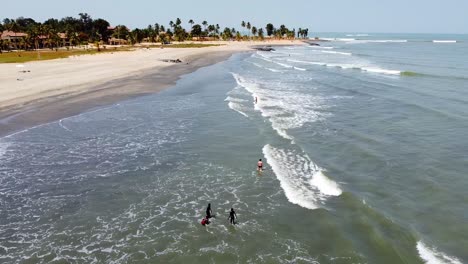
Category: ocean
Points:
column 364, row 140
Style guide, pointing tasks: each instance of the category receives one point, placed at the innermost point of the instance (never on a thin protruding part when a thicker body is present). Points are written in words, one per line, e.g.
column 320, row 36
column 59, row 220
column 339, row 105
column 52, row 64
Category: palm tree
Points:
column 211, row 29
column 171, row 24
column 217, row 30
column 249, row 27
column 238, row 36
column 269, row 29
column 196, row 31
column 205, row 25
column 191, row 22
column 260, row 33
column 254, row 31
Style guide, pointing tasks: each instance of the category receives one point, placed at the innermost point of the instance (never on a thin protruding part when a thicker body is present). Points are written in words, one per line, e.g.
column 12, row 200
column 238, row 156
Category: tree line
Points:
column 85, row 30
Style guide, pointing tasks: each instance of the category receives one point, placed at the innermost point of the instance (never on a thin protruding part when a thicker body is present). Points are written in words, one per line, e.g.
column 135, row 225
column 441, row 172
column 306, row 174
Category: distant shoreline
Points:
column 66, row 87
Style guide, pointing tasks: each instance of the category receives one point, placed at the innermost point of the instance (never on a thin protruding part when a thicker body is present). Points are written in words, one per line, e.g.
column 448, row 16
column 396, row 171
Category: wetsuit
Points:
column 232, row 215
column 208, row 212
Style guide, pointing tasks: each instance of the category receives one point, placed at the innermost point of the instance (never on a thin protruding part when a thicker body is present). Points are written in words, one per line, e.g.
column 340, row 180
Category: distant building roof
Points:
column 8, row 33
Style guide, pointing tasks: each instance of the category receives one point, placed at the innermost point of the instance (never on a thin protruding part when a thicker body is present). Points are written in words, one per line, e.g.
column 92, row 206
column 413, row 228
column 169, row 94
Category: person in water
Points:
column 205, row 221
column 260, row 165
column 232, row 217
column 208, row 211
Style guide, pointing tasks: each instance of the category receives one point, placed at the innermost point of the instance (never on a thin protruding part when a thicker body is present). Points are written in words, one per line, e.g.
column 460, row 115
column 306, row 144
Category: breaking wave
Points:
column 350, row 66
column 432, row 256
column 302, row 181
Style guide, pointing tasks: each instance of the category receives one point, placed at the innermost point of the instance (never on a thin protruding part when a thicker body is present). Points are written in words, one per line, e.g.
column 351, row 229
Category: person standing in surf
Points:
column 208, row 211
column 232, row 217
column 260, row 165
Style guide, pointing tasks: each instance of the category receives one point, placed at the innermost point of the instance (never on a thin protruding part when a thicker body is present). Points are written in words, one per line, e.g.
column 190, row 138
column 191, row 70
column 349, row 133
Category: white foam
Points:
column 351, row 66
column 284, row 107
column 432, row 256
column 266, row 68
column 63, row 126
column 325, row 185
column 336, row 52
column 339, row 39
column 383, row 41
column 357, row 35
column 319, row 47
column 379, row 70
column 283, row 64
column 444, row 41
column 3, row 148
column 237, row 107
column 302, row 180
column 363, row 41
column 300, row 69
column 232, row 99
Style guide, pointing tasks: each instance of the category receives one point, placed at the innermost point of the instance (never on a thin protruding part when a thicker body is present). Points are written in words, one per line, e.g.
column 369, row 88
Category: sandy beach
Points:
column 38, row 92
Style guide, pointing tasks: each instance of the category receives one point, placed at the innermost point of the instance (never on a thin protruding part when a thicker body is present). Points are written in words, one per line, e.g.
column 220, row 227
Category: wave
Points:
column 444, row 41
column 237, row 100
column 351, row 66
column 336, row 52
column 379, row 70
column 302, row 181
column 237, row 107
column 357, row 35
column 339, row 39
column 384, row 41
column 320, row 47
column 432, row 256
column 283, row 64
column 300, row 69
column 288, row 66
column 353, row 40
column 266, row 68
column 63, row 126
column 410, row 73
column 3, row 148
column 283, row 107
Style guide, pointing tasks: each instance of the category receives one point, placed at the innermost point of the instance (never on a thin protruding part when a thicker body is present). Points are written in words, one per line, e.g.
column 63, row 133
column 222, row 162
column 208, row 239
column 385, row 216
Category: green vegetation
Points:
column 26, row 36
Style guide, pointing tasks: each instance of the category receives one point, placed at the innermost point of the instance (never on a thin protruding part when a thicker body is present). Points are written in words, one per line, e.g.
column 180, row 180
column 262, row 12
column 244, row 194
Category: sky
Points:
column 354, row 16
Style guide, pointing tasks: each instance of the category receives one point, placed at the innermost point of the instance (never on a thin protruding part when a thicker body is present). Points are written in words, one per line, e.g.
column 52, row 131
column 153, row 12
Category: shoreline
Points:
column 57, row 100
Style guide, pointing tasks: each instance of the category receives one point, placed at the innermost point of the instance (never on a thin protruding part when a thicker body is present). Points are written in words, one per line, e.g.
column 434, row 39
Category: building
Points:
column 14, row 40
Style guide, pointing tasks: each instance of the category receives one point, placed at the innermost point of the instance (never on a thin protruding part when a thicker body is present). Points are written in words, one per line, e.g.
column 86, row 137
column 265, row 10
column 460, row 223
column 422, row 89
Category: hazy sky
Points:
column 400, row 16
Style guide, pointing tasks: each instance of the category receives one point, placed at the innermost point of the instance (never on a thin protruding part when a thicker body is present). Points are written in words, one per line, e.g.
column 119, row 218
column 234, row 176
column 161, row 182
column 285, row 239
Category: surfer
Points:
column 260, row 165
column 256, row 99
column 232, row 217
column 208, row 211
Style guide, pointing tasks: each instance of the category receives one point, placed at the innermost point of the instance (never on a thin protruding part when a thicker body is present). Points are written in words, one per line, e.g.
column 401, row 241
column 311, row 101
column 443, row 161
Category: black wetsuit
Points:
column 232, row 215
column 208, row 212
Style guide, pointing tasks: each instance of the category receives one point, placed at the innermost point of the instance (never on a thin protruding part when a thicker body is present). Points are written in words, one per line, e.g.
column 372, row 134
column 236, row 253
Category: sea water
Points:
column 364, row 140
